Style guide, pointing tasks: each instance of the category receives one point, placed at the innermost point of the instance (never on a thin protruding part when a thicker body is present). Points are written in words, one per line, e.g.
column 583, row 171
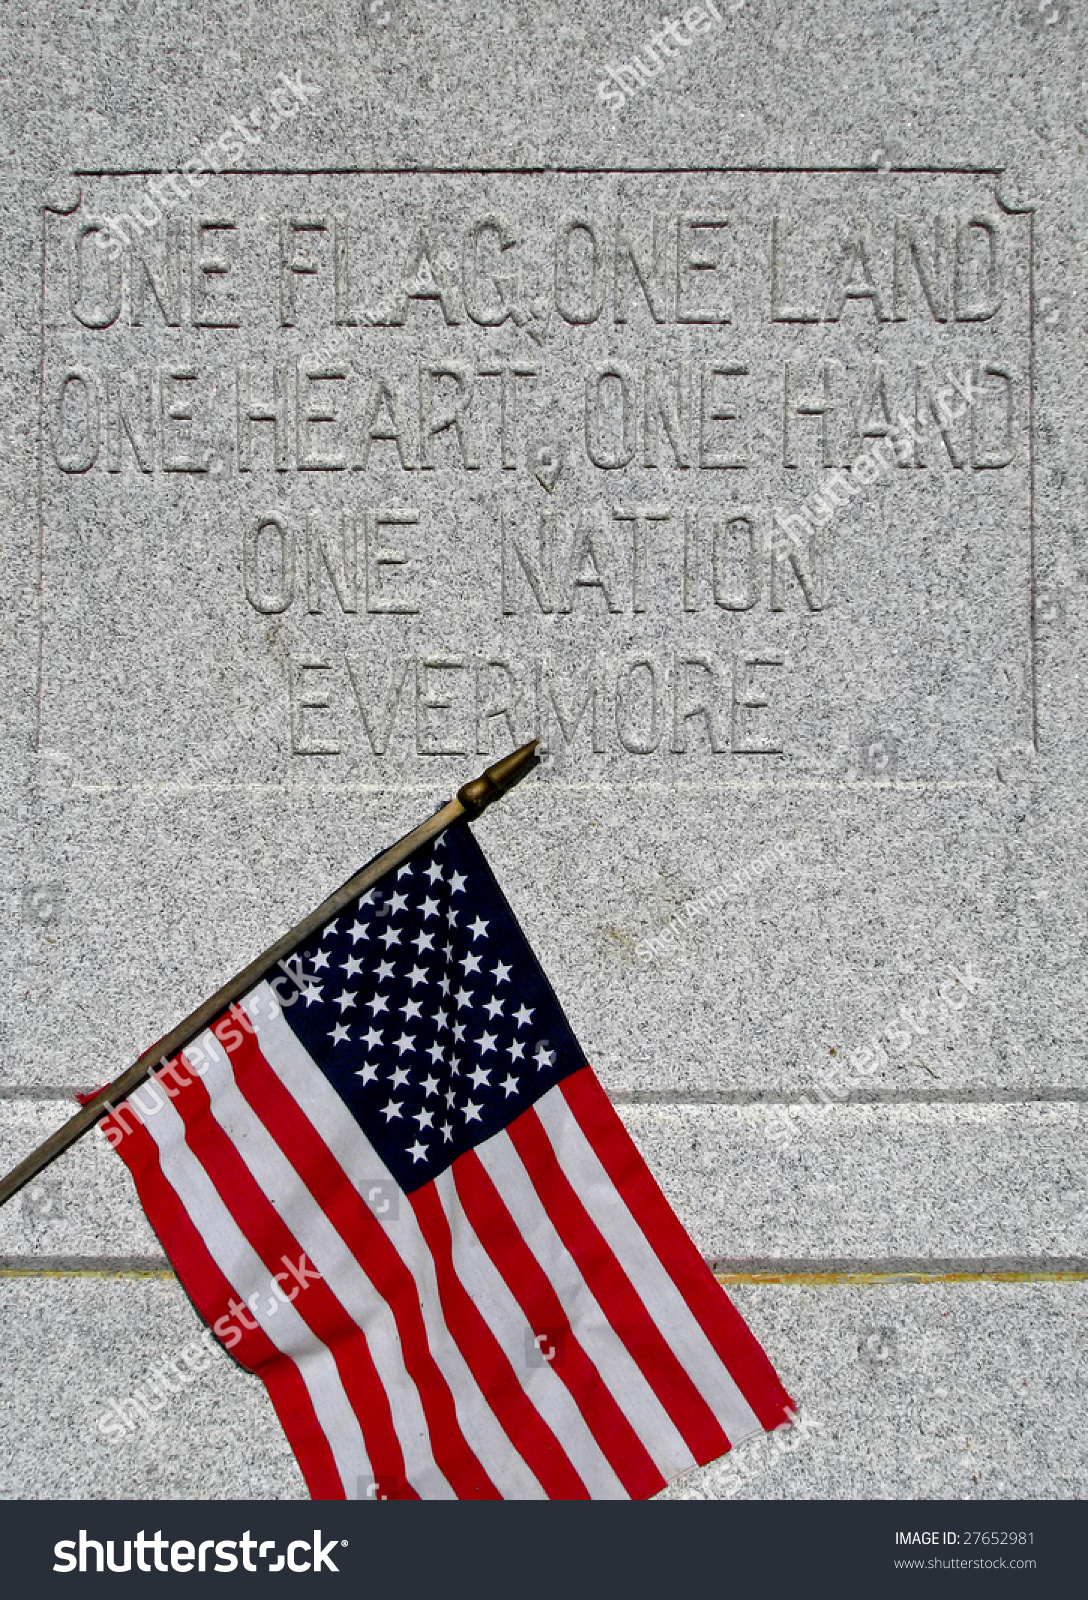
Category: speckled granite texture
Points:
column 386, row 384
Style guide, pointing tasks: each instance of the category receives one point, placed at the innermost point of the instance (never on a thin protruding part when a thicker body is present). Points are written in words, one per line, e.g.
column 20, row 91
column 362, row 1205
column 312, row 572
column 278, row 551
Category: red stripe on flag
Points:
column 499, row 1234
column 273, row 1241
column 521, row 1422
column 369, row 1243
column 211, row 1293
column 614, row 1292
column 723, row 1325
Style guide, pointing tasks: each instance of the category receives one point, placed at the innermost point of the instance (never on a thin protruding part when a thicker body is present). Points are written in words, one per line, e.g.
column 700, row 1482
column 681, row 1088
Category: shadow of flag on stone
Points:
column 391, row 1184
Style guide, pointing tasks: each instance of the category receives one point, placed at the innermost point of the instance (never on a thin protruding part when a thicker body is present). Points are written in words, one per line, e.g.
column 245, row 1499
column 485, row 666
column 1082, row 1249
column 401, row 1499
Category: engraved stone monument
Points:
column 388, row 385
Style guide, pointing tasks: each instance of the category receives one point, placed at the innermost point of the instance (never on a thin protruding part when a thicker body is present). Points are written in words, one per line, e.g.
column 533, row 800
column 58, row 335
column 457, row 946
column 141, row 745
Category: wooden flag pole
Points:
column 470, row 800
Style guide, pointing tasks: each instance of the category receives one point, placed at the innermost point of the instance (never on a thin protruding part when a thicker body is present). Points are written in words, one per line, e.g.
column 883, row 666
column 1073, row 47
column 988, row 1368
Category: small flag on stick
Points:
column 391, row 1184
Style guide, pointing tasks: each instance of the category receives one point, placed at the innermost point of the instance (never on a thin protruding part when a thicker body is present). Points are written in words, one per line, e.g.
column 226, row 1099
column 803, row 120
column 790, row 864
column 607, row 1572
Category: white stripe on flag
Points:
column 334, row 1124
column 343, row 1275
column 249, row 1277
column 617, row 1367
column 499, row 1309
column 658, row 1293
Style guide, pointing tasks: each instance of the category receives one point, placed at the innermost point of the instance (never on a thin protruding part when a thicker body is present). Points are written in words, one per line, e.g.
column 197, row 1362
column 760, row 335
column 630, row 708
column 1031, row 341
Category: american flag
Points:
column 390, row 1182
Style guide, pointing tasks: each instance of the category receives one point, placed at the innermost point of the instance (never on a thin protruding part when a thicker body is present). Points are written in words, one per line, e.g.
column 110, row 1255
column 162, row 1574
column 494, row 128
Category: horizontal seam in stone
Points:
column 821, row 1280
column 986, row 1269
column 1050, row 1095
column 85, row 1266
column 815, row 1270
column 543, row 171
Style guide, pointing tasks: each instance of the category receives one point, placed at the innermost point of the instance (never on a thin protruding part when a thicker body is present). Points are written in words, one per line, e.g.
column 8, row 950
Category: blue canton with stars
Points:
column 428, row 1013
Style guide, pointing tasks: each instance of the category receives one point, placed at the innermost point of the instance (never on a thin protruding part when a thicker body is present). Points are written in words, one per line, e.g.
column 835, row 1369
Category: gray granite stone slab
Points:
column 915, row 1392
column 869, row 1182
column 872, row 1181
column 84, row 1204
column 966, row 1393
column 81, row 1351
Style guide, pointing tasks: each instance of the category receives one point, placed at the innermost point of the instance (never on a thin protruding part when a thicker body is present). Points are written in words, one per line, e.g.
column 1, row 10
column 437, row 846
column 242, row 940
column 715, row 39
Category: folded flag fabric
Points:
column 391, row 1184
